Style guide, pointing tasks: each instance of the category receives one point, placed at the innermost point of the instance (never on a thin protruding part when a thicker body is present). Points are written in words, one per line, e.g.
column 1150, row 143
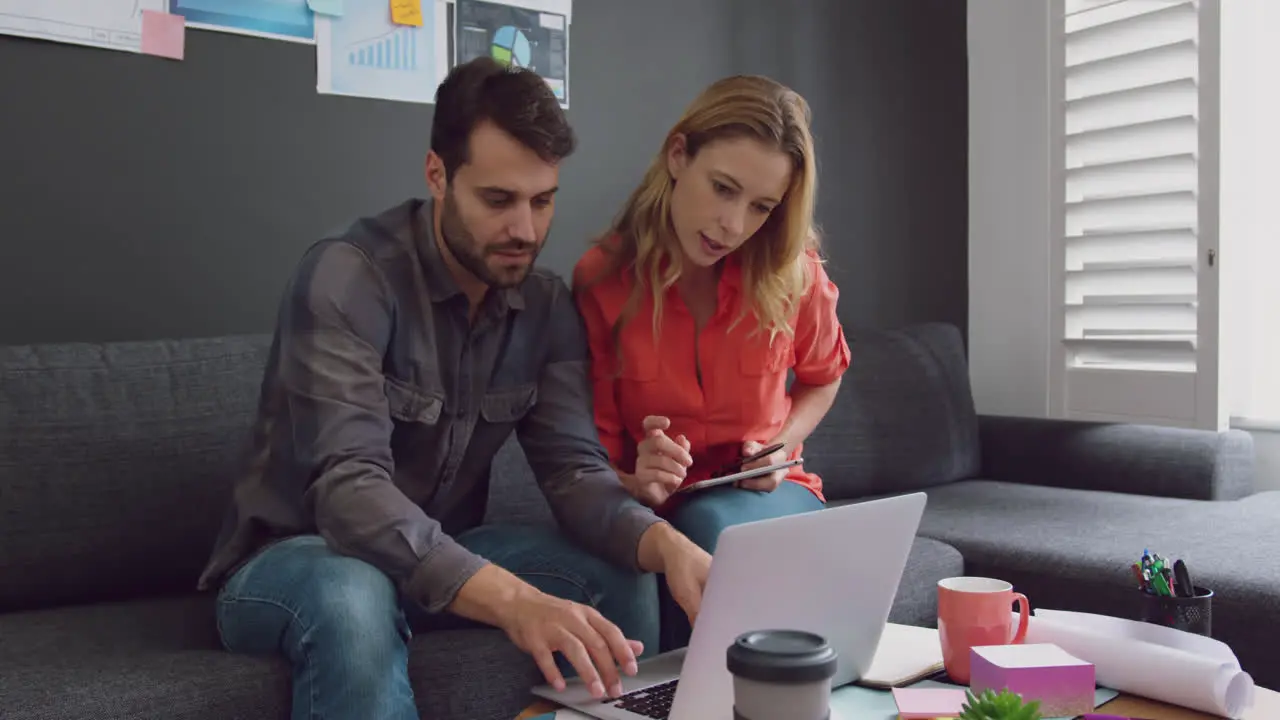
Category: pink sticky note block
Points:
column 163, row 34
column 928, row 703
column 1063, row 684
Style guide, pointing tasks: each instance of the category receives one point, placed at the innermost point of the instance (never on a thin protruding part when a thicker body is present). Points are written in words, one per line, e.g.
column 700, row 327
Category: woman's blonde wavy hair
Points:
column 774, row 265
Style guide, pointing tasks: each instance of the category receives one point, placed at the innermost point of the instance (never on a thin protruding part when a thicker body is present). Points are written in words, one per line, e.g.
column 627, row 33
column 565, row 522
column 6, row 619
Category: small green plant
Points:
column 1004, row 705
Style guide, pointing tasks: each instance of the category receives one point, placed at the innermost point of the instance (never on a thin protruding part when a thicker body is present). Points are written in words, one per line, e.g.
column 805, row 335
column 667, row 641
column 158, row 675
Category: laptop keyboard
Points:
column 654, row 702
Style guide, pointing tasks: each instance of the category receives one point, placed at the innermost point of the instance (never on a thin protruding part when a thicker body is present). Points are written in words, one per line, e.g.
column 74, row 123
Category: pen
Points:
column 1143, row 568
column 736, row 465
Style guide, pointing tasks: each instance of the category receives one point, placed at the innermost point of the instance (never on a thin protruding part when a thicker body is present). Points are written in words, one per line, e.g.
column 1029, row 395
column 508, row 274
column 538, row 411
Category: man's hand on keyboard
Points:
column 542, row 624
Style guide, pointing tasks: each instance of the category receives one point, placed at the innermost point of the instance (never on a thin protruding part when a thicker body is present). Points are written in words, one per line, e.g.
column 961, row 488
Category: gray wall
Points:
column 888, row 86
column 141, row 198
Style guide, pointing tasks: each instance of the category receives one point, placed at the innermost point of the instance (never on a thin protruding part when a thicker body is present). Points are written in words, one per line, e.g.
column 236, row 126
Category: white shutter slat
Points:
column 1133, row 176
column 1127, row 27
column 1073, row 7
column 1095, row 320
column 1144, row 233
column 1172, row 135
column 1153, row 281
column 1188, row 264
column 1134, row 245
column 1130, row 355
column 1138, row 299
column 1130, row 99
column 1144, row 66
column 1131, row 105
column 1103, row 214
column 1109, row 12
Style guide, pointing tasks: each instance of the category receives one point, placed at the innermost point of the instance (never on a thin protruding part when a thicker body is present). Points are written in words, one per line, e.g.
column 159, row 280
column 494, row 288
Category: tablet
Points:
column 743, row 475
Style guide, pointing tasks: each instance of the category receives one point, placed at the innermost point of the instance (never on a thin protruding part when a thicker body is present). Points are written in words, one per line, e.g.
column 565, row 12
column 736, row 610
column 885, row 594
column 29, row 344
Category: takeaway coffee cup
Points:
column 781, row 675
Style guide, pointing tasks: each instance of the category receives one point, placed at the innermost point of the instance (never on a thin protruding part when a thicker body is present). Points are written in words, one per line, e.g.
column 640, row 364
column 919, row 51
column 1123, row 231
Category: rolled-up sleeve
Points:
column 336, row 321
column 822, row 353
column 559, row 438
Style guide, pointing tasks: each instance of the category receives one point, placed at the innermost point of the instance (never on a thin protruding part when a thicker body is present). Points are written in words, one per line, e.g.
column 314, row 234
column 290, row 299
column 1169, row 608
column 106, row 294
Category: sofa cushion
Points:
column 115, row 462
column 161, row 658
column 917, row 600
column 1120, row 457
column 904, row 418
column 1071, row 550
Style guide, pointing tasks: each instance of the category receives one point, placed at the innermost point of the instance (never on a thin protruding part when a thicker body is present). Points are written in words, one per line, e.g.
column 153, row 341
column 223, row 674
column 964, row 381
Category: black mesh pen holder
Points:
column 1190, row 614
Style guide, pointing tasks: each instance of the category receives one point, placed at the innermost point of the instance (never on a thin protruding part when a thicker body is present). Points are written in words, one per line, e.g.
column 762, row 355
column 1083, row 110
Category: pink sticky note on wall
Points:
column 163, row 34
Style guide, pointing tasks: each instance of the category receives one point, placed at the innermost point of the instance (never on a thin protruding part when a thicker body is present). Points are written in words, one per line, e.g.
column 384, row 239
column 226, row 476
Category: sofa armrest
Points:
column 1118, row 457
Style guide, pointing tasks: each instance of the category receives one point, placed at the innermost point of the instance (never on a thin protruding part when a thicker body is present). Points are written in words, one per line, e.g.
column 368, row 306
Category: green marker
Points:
column 1157, row 581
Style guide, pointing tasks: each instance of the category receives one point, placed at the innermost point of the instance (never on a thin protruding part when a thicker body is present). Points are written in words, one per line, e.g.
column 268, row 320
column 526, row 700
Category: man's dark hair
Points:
column 517, row 100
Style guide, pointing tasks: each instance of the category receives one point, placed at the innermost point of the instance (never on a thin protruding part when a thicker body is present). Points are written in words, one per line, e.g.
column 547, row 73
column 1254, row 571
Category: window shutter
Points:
column 1134, row 288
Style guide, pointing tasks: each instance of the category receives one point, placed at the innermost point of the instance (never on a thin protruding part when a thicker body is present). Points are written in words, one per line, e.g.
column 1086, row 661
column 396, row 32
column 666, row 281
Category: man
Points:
column 407, row 350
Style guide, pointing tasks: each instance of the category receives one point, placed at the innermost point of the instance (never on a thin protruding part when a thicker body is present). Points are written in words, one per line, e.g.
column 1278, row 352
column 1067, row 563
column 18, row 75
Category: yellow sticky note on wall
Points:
column 406, row 12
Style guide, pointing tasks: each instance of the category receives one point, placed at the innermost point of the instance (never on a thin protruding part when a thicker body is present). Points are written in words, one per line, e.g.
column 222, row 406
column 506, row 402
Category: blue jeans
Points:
column 345, row 629
column 704, row 515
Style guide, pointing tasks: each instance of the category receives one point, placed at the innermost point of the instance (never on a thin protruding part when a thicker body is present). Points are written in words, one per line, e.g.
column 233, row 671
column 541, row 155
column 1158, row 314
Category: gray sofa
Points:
column 114, row 468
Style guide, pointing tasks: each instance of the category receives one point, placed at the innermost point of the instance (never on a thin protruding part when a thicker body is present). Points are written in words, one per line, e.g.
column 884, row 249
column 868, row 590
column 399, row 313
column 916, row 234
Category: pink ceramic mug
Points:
column 975, row 611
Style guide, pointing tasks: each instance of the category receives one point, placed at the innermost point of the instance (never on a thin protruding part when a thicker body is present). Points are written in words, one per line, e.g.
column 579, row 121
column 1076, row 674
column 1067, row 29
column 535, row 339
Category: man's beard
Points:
column 462, row 244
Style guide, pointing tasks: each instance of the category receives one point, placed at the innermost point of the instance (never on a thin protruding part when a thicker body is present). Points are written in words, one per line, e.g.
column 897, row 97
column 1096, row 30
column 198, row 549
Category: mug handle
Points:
column 1024, row 617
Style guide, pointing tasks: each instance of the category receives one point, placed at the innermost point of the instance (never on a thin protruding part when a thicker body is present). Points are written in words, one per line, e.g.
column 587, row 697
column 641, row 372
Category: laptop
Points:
column 834, row 572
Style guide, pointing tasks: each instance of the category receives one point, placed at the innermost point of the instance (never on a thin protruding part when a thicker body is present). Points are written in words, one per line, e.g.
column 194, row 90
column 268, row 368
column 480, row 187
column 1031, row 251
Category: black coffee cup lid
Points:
column 782, row 656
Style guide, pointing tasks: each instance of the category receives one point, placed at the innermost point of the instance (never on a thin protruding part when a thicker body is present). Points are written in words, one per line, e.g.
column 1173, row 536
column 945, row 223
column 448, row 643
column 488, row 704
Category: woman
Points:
column 708, row 288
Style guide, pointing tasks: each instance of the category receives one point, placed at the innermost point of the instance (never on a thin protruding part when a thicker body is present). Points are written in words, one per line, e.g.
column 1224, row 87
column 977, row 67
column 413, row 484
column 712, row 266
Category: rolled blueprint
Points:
column 1149, row 660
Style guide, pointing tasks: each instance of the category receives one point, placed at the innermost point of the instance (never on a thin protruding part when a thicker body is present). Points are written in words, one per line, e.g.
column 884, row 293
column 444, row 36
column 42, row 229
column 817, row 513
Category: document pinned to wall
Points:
column 365, row 53
column 106, row 24
column 290, row 20
column 532, row 34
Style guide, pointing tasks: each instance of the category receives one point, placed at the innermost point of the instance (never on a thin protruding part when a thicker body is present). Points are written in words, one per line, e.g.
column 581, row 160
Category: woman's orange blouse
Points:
column 743, row 393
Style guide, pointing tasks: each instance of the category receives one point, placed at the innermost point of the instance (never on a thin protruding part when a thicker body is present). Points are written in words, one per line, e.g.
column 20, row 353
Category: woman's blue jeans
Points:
column 704, row 515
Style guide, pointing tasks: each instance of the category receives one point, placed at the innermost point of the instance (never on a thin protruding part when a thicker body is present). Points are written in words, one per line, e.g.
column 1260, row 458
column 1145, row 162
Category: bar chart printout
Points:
column 364, row 54
column 106, row 24
column 397, row 50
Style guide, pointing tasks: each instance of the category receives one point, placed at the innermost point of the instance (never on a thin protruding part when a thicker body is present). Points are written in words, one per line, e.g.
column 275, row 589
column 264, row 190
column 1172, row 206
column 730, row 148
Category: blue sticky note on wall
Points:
column 326, row 7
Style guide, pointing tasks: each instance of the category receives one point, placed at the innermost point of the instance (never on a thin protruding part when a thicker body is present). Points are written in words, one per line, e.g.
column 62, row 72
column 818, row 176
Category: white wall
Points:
column 1250, row 154
column 1009, row 240
column 1009, row 206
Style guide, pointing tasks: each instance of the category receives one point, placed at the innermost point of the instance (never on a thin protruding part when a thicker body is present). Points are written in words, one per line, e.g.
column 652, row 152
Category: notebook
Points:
column 906, row 654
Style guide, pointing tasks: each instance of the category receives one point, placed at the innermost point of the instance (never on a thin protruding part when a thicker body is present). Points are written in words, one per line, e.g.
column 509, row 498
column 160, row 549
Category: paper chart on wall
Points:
column 533, row 34
column 106, row 24
column 364, row 54
column 291, row 20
